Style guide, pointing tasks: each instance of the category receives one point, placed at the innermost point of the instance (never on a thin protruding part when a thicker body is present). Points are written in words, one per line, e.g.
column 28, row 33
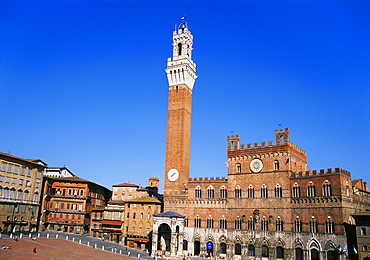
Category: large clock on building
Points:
column 256, row 165
column 173, row 174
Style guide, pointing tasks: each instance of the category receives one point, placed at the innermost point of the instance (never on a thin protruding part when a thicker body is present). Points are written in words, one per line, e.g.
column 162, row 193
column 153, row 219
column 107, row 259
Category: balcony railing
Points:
column 68, row 196
column 67, row 211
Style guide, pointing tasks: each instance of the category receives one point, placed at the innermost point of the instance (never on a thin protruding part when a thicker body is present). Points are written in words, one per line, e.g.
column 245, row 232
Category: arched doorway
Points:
column 196, row 248
column 164, row 238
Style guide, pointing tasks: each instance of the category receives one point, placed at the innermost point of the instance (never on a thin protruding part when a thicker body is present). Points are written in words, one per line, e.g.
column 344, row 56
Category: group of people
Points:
column 15, row 238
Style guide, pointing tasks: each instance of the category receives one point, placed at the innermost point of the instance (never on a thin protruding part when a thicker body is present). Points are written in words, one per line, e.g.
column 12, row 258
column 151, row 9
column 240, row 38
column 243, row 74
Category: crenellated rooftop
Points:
column 320, row 172
column 208, row 179
column 282, row 144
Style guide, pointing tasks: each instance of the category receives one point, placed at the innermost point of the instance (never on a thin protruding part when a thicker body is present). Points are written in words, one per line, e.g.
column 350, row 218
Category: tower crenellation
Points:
column 283, row 155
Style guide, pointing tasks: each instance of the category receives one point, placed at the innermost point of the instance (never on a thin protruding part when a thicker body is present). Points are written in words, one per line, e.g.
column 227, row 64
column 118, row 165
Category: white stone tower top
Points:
column 180, row 68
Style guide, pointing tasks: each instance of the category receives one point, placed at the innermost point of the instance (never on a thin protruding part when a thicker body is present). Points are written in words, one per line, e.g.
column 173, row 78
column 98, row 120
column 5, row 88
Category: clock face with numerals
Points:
column 256, row 165
column 173, row 174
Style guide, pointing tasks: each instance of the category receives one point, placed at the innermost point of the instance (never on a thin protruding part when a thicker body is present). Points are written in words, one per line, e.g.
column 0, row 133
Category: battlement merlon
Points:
column 282, row 145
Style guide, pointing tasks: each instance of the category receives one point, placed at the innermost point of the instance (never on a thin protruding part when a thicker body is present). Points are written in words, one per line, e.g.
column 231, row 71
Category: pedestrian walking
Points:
column 34, row 250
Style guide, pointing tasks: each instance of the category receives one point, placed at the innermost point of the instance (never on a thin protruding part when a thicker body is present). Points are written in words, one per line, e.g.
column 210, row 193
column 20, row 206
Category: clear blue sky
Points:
column 83, row 82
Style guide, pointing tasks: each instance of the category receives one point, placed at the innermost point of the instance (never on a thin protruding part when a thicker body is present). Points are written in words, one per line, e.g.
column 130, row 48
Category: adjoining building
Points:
column 270, row 205
column 128, row 217
column 20, row 193
column 69, row 201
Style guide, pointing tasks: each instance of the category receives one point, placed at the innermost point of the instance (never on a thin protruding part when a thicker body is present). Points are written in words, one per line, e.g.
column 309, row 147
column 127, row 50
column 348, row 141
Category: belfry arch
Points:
column 168, row 234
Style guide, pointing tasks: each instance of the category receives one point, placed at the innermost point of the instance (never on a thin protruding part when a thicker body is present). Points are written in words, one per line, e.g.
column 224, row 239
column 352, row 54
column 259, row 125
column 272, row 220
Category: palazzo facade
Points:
column 270, row 205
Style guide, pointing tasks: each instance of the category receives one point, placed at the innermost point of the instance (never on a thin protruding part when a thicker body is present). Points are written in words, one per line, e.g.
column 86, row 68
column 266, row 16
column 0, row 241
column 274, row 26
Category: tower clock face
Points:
column 256, row 165
column 173, row 174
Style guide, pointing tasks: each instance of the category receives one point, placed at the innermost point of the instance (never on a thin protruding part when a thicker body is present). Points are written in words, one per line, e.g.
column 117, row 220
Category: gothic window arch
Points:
column 238, row 192
column 313, row 224
column 265, row 251
column 278, row 191
column 250, row 191
column 279, row 252
column 198, row 192
column 276, row 165
column 311, row 190
column 223, row 192
column 327, row 188
column 209, row 221
column 329, row 225
column 264, row 191
column 279, row 224
column 211, row 192
column 251, row 250
column 238, row 249
column 238, row 223
column 296, row 190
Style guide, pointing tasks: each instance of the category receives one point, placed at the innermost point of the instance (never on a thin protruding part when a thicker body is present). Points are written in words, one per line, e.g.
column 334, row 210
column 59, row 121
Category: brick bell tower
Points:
column 181, row 75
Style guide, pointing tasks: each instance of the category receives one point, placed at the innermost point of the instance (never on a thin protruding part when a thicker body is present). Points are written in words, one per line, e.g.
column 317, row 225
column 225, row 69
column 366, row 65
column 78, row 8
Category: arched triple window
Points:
column 198, row 192
column 311, row 190
column 279, row 224
column 250, row 192
column 278, row 191
column 223, row 223
column 296, row 190
column 223, row 192
column 326, row 188
column 313, row 224
column 211, row 192
column 265, row 224
column 264, row 191
column 209, row 221
column 238, row 223
column 250, row 223
column 198, row 222
column 329, row 225
column 297, row 224
column 238, row 192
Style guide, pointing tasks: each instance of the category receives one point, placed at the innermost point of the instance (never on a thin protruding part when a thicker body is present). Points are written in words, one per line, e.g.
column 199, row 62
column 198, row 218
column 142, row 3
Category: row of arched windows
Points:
column 265, row 224
column 13, row 194
column 277, row 192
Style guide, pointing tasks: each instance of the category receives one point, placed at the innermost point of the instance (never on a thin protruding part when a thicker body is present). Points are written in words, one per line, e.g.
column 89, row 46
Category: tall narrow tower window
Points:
column 179, row 46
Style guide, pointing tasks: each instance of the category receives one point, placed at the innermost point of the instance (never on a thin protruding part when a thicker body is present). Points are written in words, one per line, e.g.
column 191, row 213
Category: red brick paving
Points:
column 51, row 248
